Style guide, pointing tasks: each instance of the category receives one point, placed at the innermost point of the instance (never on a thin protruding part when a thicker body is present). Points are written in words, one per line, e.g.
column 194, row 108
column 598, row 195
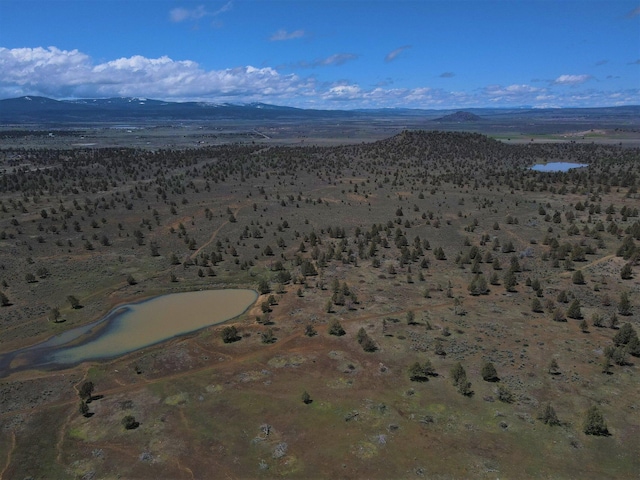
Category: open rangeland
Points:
column 437, row 248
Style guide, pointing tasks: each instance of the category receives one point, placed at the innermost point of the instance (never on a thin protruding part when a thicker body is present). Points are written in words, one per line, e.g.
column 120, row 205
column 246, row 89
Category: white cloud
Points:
column 181, row 14
column 60, row 73
column 333, row 60
column 571, row 79
column 343, row 92
column 282, row 34
column 391, row 56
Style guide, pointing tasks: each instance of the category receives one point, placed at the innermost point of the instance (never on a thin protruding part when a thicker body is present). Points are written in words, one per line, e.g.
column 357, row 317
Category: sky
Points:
column 328, row 54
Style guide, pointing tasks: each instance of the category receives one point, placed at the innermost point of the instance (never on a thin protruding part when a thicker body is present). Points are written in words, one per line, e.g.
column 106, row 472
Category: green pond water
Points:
column 134, row 326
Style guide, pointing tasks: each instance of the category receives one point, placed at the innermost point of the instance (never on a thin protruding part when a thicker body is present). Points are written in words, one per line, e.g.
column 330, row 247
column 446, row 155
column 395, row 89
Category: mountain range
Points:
column 43, row 110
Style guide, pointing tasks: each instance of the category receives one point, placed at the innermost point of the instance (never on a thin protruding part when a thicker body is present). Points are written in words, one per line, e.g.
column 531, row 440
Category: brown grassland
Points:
column 410, row 242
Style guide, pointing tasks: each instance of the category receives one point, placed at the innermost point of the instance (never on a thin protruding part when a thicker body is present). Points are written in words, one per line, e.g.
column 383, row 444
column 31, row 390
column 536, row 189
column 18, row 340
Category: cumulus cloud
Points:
column 391, row 56
column 571, row 79
column 60, row 73
column 282, row 35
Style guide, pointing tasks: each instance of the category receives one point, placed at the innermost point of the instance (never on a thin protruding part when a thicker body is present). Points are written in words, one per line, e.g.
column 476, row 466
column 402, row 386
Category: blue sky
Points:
column 326, row 54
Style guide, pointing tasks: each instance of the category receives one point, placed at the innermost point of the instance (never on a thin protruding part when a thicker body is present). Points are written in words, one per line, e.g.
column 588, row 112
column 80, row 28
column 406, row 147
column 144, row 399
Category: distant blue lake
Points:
column 557, row 166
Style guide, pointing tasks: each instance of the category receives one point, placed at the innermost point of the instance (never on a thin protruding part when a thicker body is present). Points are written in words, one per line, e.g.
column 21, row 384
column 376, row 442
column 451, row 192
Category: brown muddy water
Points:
column 131, row 327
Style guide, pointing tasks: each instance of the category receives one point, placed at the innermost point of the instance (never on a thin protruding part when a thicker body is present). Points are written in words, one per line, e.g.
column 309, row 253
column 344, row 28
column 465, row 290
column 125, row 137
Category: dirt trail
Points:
column 13, row 447
column 598, row 261
column 215, row 233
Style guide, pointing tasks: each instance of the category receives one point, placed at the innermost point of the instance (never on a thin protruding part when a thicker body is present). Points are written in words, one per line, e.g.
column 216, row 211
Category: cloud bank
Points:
column 60, row 74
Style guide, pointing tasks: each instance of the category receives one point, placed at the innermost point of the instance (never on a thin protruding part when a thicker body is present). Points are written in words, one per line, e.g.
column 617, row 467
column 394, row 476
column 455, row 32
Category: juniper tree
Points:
column 574, row 310
column 230, row 334
column 536, row 306
column 457, row 372
column 548, row 416
column 510, row 281
column 553, row 366
column 489, row 373
column 626, row 273
column 504, row 394
column 594, row 423
column 578, row 277
column 624, row 335
column 309, row 331
column 83, row 408
column 86, row 390
column 624, row 306
column 73, row 301
column 464, row 386
column 335, row 328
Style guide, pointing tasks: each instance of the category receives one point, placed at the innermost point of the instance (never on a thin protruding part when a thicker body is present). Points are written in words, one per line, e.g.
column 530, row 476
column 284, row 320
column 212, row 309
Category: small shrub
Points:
column 129, row 422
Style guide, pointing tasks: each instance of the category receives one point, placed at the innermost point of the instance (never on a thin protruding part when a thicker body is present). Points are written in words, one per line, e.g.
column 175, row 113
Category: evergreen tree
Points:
column 626, row 273
column 457, row 373
column 510, row 281
column 624, row 335
column 268, row 336
column 594, row 423
column 536, row 306
column 73, row 301
column 504, row 394
column 230, row 334
column 335, row 328
column 548, row 416
column 83, row 408
column 489, row 373
column 309, row 331
column 624, row 306
column 86, row 390
column 578, row 277
column 574, row 310
column 464, row 385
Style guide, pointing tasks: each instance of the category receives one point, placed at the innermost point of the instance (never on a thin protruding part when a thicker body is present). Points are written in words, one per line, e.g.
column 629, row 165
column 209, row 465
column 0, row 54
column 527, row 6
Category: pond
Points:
column 131, row 327
column 557, row 166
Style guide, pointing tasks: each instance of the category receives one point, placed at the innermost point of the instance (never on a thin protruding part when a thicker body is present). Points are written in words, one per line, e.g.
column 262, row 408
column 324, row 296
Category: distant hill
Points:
column 33, row 109
column 459, row 117
column 46, row 111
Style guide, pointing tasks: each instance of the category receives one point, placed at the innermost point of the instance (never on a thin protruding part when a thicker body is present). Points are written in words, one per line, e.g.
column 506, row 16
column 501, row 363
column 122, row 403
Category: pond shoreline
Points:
column 129, row 327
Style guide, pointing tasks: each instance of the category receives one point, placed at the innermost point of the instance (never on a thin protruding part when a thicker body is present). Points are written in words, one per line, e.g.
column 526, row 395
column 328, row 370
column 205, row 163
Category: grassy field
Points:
column 385, row 237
